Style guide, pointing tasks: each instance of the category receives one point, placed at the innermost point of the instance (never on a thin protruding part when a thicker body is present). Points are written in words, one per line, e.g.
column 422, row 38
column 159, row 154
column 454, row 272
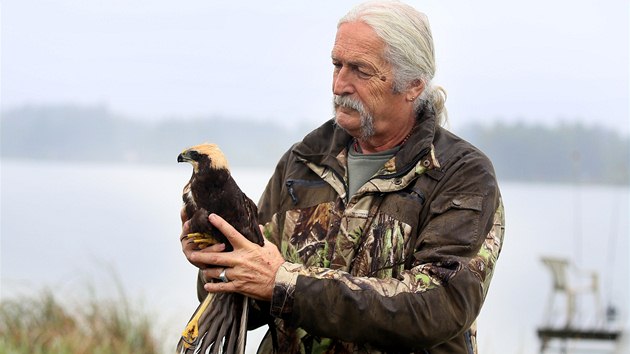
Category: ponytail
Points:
column 435, row 97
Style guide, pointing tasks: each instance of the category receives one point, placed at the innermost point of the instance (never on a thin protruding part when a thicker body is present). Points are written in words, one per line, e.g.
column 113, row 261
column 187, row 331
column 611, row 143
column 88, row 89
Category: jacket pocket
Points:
column 298, row 189
column 448, row 201
column 453, row 226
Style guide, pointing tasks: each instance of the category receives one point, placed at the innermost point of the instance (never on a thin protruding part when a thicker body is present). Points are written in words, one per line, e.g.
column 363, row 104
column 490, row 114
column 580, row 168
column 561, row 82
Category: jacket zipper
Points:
column 290, row 183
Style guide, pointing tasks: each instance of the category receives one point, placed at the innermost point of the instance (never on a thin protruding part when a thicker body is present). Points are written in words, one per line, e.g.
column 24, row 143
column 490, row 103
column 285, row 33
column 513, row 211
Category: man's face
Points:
column 362, row 74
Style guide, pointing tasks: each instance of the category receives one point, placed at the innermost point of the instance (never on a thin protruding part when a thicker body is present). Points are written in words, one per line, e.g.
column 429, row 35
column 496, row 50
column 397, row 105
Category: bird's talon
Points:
column 202, row 240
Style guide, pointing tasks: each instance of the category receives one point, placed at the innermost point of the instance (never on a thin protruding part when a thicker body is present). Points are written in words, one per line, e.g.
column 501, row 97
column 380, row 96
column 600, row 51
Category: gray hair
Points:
column 408, row 47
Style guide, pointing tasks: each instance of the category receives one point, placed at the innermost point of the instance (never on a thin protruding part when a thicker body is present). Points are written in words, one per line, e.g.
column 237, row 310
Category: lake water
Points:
column 80, row 229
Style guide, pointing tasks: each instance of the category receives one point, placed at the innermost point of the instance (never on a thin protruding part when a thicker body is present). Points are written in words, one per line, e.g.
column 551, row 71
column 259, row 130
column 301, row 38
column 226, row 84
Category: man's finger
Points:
column 220, row 287
column 236, row 239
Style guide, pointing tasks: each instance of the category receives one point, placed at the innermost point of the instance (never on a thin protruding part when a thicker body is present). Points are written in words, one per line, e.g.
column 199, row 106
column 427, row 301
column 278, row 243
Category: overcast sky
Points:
column 537, row 60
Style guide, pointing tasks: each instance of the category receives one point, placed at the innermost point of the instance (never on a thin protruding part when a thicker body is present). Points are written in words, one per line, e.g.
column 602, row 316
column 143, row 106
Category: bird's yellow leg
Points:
column 191, row 332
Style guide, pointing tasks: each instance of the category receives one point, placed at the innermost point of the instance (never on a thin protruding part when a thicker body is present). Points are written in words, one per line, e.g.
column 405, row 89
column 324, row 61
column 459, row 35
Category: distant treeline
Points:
column 96, row 134
column 566, row 153
column 521, row 152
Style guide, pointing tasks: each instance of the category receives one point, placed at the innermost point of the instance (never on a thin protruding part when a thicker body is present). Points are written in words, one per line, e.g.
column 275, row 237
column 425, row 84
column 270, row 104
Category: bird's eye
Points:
column 194, row 155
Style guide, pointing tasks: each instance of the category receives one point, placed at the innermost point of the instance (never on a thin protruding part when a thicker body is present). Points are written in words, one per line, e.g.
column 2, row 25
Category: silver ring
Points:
column 223, row 277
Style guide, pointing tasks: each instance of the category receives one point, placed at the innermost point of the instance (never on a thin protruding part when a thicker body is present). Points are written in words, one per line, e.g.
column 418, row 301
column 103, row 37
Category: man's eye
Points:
column 363, row 74
column 358, row 71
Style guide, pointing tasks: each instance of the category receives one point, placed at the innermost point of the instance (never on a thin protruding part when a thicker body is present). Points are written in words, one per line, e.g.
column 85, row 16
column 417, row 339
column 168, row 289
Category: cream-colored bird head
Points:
column 200, row 155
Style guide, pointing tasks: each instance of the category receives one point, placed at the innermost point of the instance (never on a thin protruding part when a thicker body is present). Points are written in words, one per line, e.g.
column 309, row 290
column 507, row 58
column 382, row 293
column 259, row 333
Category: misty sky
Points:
column 539, row 60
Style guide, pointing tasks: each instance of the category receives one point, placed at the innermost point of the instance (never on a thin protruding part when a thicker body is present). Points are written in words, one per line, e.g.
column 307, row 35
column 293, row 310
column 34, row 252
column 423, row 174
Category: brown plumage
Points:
column 220, row 321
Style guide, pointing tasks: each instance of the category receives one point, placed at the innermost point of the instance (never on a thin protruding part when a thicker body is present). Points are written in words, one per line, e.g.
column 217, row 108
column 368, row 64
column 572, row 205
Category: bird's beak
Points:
column 183, row 157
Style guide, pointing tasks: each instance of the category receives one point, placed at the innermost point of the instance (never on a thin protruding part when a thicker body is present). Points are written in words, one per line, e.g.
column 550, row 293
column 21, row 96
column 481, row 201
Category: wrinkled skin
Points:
column 361, row 72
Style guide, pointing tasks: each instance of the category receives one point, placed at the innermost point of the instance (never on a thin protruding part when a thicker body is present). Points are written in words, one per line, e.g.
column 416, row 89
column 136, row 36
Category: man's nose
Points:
column 342, row 82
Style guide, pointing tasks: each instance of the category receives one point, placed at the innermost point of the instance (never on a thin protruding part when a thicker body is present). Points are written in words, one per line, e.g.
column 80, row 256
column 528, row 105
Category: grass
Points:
column 42, row 325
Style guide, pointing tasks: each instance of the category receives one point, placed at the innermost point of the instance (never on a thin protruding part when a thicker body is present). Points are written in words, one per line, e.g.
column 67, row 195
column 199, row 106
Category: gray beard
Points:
column 367, row 121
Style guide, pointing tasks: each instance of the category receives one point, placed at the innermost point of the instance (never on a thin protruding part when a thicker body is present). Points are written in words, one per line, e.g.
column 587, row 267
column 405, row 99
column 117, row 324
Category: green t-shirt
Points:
column 361, row 167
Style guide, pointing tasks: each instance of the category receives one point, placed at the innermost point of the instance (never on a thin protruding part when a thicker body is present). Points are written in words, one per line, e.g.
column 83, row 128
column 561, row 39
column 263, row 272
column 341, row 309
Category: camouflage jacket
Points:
column 401, row 266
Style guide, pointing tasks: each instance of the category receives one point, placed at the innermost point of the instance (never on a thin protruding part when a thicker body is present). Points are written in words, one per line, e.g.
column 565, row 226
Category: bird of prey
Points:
column 220, row 322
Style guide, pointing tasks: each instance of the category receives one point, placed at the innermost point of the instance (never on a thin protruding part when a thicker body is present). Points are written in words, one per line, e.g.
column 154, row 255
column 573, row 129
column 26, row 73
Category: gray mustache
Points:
column 349, row 102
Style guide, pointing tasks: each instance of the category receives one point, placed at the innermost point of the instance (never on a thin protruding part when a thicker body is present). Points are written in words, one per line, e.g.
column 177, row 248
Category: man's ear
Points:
column 415, row 89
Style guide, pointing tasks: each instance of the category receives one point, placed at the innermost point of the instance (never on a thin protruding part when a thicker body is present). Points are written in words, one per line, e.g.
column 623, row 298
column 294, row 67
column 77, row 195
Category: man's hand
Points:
column 188, row 246
column 250, row 268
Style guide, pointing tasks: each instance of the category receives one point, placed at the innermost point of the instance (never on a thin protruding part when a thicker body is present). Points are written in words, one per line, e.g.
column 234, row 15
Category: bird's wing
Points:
column 252, row 231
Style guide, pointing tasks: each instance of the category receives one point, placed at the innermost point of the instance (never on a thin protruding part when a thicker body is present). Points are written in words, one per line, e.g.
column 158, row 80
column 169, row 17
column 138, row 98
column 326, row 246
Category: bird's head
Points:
column 204, row 156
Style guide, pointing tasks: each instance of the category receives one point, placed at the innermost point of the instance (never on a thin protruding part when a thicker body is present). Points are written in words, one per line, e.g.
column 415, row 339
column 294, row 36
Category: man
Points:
column 383, row 227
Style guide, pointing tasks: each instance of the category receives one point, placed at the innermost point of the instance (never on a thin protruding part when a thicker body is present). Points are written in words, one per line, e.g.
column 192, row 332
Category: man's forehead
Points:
column 356, row 41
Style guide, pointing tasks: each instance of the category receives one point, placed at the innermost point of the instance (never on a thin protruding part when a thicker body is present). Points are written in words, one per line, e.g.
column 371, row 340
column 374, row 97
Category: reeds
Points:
column 42, row 325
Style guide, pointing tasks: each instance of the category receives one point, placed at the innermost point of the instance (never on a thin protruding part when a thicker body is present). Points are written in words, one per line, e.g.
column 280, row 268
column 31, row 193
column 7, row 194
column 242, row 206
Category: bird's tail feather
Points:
column 219, row 334
column 222, row 327
column 242, row 331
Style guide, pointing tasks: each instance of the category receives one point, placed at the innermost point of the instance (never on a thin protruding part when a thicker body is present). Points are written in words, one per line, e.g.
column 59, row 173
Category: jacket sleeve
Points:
column 259, row 313
column 436, row 299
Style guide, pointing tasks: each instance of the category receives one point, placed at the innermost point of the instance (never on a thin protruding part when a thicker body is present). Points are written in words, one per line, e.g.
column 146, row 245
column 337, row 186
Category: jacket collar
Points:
column 420, row 140
column 324, row 144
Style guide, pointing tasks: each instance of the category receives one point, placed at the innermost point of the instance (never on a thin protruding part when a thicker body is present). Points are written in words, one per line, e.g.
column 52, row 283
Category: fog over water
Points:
column 76, row 227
